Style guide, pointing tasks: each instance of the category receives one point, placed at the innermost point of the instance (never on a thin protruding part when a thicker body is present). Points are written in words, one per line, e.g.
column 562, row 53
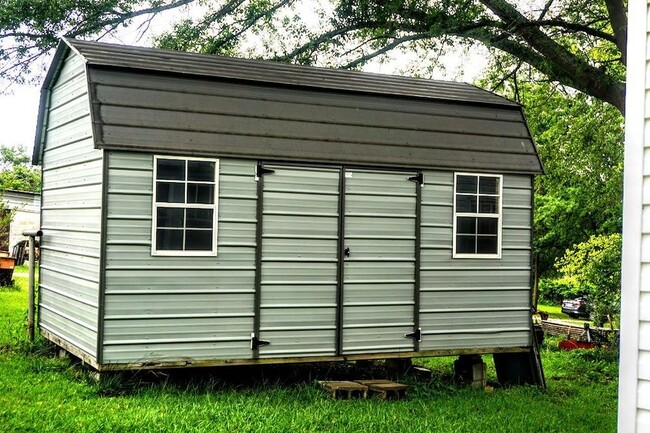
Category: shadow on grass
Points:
column 256, row 378
column 13, row 287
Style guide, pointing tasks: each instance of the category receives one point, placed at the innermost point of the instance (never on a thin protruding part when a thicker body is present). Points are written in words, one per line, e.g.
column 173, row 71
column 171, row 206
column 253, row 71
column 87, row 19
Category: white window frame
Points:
column 498, row 215
column 214, row 206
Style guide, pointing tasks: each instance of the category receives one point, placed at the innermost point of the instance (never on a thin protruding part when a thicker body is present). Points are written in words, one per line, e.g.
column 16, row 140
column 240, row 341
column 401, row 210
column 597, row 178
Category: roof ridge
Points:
column 268, row 71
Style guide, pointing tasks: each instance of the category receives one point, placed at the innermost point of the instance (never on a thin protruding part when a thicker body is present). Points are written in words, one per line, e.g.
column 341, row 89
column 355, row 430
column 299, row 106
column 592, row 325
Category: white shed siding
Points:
column 475, row 303
column 634, row 388
column 167, row 308
column 71, row 214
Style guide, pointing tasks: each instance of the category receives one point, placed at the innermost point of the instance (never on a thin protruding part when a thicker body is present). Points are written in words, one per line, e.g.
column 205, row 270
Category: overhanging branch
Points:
column 385, row 49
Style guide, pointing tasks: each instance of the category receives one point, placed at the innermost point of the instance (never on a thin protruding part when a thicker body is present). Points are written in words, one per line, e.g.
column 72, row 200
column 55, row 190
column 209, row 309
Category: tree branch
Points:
column 557, row 61
column 121, row 17
column 324, row 37
column 385, row 48
column 618, row 17
column 225, row 10
column 251, row 21
column 545, row 10
column 574, row 27
column 507, row 76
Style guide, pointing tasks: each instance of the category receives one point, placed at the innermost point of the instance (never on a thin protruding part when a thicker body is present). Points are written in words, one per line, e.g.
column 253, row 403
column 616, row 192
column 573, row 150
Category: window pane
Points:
column 167, row 192
column 489, row 185
column 170, row 169
column 200, row 170
column 486, row 245
column 466, row 184
column 169, row 239
column 466, row 203
column 170, row 217
column 199, row 218
column 465, row 244
column 200, row 193
column 198, row 240
column 466, row 225
column 488, row 226
column 488, row 204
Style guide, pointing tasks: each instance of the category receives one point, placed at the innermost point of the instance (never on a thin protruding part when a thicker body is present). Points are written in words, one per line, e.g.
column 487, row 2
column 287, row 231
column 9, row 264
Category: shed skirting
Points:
column 155, row 365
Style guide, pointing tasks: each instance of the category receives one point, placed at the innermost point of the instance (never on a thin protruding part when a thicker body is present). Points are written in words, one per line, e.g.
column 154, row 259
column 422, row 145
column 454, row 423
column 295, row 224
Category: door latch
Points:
column 418, row 178
column 257, row 343
column 417, row 335
column 260, row 171
column 346, row 252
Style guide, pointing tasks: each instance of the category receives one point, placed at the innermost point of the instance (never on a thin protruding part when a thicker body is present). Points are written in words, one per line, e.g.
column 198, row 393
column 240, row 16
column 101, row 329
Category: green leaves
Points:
column 580, row 142
column 569, row 41
column 31, row 28
column 596, row 267
column 16, row 172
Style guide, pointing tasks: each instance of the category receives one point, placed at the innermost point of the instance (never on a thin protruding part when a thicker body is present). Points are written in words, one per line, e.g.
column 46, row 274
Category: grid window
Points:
column 477, row 215
column 185, row 206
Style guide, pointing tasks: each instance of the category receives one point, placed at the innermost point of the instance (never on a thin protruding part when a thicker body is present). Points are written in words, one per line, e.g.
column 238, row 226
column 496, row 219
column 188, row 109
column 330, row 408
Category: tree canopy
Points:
column 577, row 43
column 580, row 141
column 595, row 265
column 16, row 172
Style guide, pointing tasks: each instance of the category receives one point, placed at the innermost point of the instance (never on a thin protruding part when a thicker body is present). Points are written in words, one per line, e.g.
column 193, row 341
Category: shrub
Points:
column 553, row 290
column 596, row 267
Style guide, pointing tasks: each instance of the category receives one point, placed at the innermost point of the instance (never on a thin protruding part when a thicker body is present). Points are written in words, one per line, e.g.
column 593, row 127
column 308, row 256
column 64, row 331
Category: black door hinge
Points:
column 417, row 335
column 257, row 343
column 418, row 178
column 260, row 171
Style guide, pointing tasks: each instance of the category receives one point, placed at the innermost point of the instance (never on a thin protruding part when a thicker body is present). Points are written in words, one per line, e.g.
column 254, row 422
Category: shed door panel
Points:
column 379, row 272
column 298, row 287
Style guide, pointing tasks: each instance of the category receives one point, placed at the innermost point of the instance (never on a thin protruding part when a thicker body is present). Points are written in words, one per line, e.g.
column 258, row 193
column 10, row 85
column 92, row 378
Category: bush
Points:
column 553, row 290
column 596, row 266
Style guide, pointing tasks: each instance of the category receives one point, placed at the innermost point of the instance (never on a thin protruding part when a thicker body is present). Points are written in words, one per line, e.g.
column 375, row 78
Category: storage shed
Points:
column 202, row 210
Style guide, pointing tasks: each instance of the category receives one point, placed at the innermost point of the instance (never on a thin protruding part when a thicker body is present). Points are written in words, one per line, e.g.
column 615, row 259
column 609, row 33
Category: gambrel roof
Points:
column 302, row 113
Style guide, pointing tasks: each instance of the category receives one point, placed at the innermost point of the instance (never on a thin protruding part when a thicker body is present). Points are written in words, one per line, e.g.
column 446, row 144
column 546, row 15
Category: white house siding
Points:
column 634, row 387
column 71, row 214
column 27, row 215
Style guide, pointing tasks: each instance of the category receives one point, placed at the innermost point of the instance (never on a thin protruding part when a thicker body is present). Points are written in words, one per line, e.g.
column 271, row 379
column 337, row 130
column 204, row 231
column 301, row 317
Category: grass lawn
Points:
column 555, row 312
column 40, row 393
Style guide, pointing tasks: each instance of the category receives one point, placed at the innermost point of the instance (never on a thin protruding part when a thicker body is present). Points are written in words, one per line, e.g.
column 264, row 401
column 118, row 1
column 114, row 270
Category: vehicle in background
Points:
column 578, row 307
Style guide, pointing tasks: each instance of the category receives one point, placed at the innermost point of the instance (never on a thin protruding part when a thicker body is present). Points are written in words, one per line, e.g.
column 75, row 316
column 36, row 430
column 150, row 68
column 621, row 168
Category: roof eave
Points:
column 41, row 123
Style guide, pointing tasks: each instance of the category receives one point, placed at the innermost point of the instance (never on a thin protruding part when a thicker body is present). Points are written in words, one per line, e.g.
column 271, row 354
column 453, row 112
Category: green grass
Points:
column 40, row 393
column 555, row 312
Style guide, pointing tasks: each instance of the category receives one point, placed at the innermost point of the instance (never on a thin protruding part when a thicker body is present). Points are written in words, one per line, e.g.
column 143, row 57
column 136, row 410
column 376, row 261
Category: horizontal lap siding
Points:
column 634, row 371
column 467, row 303
column 643, row 403
column 298, row 284
column 167, row 308
column 253, row 121
column 71, row 214
column 379, row 274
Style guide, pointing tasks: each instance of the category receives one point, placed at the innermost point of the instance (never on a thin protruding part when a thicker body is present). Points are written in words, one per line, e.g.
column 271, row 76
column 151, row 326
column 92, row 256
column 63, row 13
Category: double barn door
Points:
column 337, row 263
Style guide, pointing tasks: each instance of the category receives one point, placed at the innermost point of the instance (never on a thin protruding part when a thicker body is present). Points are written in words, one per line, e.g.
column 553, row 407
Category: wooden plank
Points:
column 344, row 389
column 386, row 389
column 574, row 332
column 158, row 364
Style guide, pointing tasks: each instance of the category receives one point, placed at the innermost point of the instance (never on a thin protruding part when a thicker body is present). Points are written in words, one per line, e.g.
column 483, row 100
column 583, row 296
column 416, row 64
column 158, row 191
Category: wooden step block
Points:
column 385, row 388
column 345, row 389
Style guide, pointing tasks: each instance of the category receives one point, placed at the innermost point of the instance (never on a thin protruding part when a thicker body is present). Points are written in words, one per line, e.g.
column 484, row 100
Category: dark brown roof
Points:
column 263, row 71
